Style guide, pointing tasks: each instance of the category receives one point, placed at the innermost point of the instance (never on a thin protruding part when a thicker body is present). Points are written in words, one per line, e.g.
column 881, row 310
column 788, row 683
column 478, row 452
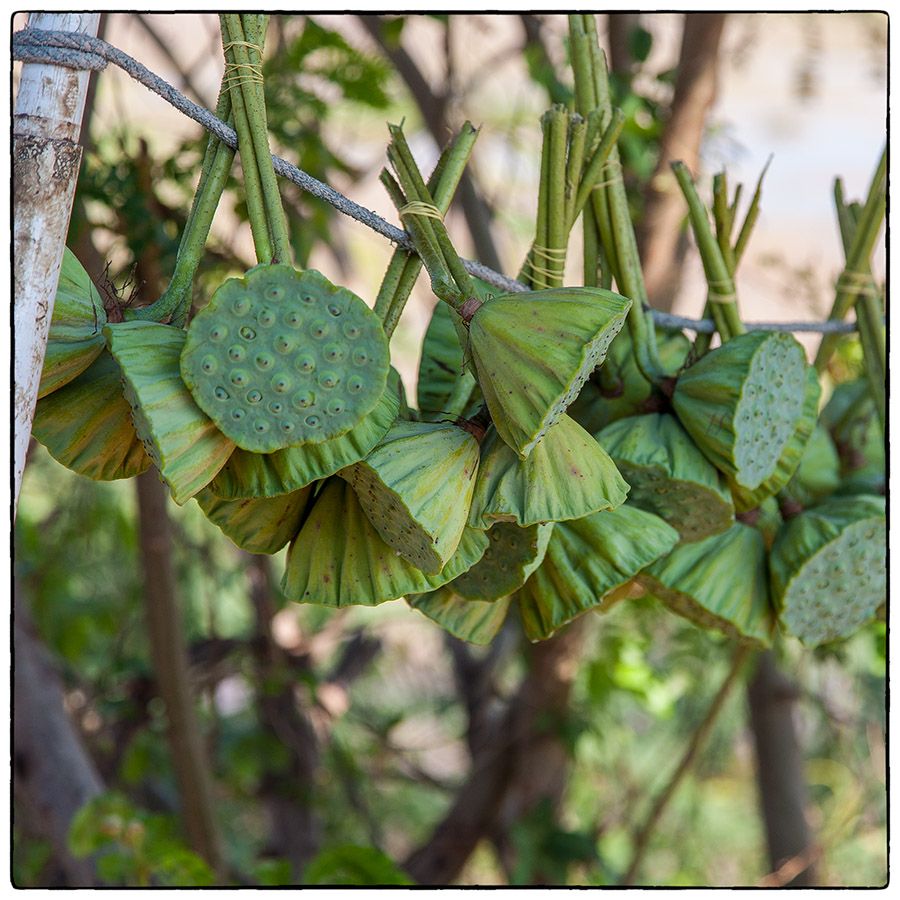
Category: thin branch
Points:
column 184, row 76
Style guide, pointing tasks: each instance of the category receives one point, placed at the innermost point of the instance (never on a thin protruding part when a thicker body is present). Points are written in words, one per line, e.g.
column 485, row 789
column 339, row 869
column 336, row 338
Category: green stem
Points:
column 591, row 249
column 461, row 394
column 530, row 272
column 557, row 232
column 574, row 165
column 750, row 219
column 595, row 165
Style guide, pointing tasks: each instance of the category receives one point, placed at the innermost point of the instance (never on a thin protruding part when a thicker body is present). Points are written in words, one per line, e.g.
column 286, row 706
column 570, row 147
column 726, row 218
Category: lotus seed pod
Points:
column 668, row 475
column 339, row 559
column 257, row 524
column 718, row 583
column 829, row 568
column 533, row 351
column 279, row 358
column 852, row 419
column 746, row 404
column 76, row 329
column 185, row 445
column 619, row 388
column 568, row 475
column 416, row 487
column 818, row 474
column 475, row 621
column 86, row 425
column 585, row 561
column 512, row 555
column 249, row 474
column 441, row 365
column 766, row 519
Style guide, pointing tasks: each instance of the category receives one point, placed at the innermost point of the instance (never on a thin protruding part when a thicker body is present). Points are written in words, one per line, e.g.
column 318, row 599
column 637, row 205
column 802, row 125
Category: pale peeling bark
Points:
column 46, row 157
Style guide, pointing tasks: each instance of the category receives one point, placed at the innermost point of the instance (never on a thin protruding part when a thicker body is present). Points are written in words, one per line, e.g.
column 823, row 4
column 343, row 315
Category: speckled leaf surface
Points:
column 416, row 488
column 280, row 358
column 829, row 568
column 182, row 441
column 585, row 561
column 718, row 583
column 475, row 621
column 86, row 425
column 257, row 525
column 568, row 475
column 76, row 329
column 248, row 474
column 533, row 351
column 339, row 559
column 668, row 475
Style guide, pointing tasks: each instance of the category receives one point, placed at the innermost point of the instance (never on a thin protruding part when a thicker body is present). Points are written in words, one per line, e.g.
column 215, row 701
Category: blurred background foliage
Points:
column 379, row 688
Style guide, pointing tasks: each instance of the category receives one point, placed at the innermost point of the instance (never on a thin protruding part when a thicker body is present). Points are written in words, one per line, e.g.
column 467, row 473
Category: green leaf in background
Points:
column 350, row 865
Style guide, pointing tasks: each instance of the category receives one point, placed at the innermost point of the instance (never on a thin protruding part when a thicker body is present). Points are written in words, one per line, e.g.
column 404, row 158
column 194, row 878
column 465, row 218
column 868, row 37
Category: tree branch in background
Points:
column 661, row 238
column 433, row 108
column 779, row 774
column 621, row 26
column 53, row 776
column 168, row 649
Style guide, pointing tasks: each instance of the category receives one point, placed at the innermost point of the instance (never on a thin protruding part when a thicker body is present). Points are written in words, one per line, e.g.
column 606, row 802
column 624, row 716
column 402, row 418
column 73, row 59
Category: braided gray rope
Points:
column 80, row 51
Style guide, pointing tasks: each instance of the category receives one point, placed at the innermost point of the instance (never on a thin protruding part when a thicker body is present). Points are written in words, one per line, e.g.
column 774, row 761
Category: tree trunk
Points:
column 779, row 774
column 621, row 25
column 661, row 239
column 46, row 157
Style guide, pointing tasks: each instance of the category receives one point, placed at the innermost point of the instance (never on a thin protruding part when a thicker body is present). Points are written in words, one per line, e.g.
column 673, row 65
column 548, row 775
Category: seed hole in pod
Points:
column 319, row 330
column 218, row 333
column 334, row 309
column 308, row 298
column 263, row 361
column 221, row 393
column 294, row 319
column 329, row 380
column 260, row 426
column 241, row 306
column 283, row 344
column 287, row 427
column 254, row 396
column 276, row 407
column 247, row 333
column 209, row 365
column 239, row 377
column 304, row 400
column 281, row 384
column 354, row 384
column 360, row 357
column 351, row 330
column 334, row 352
column 312, row 421
column 306, row 364
column 335, row 407
column 266, row 318
column 237, row 414
column 236, row 353
column 273, row 292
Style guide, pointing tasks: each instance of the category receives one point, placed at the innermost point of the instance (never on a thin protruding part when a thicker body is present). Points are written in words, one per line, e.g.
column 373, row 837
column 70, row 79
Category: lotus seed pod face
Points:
column 668, row 475
column 280, row 358
column 182, row 441
column 339, row 559
column 568, row 475
column 249, row 474
column 416, row 488
column 76, row 329
column 476, row 621
column 718, row 583
column 829, row 568
column 86, row 425
column 533, row 351
column 586, row 560
column 742, row 404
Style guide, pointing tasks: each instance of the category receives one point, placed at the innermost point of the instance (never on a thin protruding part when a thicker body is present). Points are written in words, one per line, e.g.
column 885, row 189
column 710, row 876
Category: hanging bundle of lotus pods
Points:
column 829, row 568
column 719, row 582
column 476, row 621
column 750, row 406
column 669, row 475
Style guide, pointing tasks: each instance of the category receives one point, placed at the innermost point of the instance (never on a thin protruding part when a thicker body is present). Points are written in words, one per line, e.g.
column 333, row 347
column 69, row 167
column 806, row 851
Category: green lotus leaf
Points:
column 533, row 351
column 475, row 621
column 619, row 388
column 339, row 559
column 568, row 475
column 829, row 568
column 852, row 419
column 512, row 555
column 718, row 583
column 76, row 329
column 416, row 487
column 86, row 425
column 257, row 524
column 185, row 445
column 586, row 560
column 249, row 474
column 818, row 474
column 442, row 364
column 668, row 475
column 746, row 498
column 279, row 358
column 746, row 406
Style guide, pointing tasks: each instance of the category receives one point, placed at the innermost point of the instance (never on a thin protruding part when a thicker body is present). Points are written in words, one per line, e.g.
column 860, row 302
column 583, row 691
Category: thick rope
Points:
column 80, row 51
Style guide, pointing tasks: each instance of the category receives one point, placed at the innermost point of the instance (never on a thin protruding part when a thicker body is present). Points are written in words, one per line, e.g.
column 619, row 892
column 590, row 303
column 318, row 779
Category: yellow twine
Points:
column 232, row 74
column 551, row 254
column 250, row 44
column 540, row 270
column 715, row 297
column 420, row 208
column 858, row 283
